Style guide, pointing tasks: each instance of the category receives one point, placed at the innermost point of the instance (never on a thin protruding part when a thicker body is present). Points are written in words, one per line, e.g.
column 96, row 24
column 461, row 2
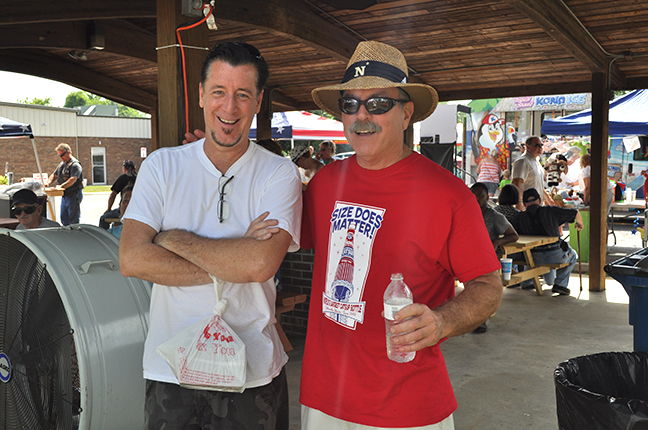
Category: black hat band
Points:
column 375, row 68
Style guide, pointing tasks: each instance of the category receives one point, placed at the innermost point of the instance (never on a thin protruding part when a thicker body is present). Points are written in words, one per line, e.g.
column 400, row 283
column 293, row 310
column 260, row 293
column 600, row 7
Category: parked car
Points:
column 343, row 155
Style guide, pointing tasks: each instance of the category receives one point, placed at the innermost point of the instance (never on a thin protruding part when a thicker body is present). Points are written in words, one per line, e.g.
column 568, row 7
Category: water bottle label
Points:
column 392, row 309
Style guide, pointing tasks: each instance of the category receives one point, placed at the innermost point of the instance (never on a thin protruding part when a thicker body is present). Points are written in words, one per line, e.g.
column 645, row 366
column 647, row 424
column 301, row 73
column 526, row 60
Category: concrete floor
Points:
column 503, row 379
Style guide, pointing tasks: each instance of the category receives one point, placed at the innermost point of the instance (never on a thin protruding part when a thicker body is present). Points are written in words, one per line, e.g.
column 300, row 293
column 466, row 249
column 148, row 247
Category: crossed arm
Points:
column 182, row 258
column 479, row 300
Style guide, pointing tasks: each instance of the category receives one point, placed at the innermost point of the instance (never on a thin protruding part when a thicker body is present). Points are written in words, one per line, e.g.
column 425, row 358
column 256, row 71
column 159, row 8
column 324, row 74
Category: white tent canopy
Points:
column 302, row 125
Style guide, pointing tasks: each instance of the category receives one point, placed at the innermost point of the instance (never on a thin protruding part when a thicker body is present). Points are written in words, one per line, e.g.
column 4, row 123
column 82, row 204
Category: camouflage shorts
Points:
column 172, row 407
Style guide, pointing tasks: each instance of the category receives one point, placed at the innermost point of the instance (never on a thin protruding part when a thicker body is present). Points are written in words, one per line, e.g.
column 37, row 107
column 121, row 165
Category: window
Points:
column 98, row 166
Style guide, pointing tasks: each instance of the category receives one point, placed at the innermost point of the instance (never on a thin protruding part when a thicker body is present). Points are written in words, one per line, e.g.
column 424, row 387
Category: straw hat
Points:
column 377, row 65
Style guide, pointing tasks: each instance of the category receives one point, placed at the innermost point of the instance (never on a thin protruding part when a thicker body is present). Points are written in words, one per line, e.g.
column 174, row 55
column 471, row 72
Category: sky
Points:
column 14, row 87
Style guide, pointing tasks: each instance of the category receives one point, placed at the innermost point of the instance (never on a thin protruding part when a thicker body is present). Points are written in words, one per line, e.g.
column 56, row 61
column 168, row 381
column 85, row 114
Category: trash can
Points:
column 632, row 272
column 584, row 235
column 606, row 391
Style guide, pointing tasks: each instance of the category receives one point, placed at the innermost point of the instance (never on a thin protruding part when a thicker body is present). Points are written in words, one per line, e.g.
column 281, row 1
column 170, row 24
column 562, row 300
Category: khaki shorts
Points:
column 312, row 419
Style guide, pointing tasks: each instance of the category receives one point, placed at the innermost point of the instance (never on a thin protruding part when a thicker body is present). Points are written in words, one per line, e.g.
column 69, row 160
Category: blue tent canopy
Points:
column 628, row 117
column 10, row 128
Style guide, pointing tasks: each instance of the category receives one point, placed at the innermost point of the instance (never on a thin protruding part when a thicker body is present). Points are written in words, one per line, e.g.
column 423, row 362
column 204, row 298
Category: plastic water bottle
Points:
column 397, row 296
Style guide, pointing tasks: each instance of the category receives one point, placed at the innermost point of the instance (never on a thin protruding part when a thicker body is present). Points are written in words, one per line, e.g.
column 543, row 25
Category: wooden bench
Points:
column 286, row 302
column 525, row 244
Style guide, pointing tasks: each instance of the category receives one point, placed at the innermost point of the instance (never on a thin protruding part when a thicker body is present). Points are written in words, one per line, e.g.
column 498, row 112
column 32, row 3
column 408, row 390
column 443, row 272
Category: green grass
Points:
column 96, row 188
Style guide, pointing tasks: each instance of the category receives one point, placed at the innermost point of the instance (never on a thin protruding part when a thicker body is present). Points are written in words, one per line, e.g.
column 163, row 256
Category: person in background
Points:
column 539, row 220
column 69, row 177
column 499, row 229
column 300, row 155
column 126, row 194
column 507, row 200
column 527, row 172
column 189, row 221
column 271, row 145
column 27, row 210
column 326, row 152
column 489, row 172
column 584, row 179
column 506, row 178
column 359, row 216
column 128, row 176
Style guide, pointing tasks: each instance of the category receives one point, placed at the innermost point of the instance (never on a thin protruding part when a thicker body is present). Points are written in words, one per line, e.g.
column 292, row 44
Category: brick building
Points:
column 101, row 144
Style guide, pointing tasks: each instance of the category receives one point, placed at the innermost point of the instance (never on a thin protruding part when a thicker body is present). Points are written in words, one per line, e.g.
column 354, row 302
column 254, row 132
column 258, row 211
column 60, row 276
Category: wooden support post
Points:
column 598, row 185
column 264, row 117
column 171, row 101
column 155, row 137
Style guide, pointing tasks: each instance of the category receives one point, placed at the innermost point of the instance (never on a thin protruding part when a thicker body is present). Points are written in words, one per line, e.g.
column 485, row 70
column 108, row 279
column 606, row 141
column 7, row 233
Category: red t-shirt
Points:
column 414, row 218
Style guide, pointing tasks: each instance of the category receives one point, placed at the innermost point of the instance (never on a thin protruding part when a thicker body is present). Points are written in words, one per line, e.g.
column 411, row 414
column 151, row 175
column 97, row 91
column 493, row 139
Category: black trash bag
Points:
column 606, row 391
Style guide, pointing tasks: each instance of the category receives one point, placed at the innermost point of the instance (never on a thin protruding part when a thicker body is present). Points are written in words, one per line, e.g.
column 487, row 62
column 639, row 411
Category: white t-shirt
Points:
column 585, row 172
column 531, row 172
column 178, row 188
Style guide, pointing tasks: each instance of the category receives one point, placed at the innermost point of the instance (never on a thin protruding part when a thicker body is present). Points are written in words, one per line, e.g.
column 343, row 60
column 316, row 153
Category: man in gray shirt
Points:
column 28, row 211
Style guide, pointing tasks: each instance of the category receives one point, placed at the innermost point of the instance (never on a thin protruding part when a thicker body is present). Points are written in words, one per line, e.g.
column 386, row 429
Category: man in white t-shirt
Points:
column 527, row 172
column 222, row 207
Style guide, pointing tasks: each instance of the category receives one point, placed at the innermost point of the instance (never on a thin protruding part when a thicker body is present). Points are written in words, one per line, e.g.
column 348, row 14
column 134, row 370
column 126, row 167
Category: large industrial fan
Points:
column 72, row 332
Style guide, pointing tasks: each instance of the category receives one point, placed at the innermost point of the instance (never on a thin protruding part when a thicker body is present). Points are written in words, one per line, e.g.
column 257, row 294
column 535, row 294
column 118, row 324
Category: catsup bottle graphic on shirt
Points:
column 397, row 296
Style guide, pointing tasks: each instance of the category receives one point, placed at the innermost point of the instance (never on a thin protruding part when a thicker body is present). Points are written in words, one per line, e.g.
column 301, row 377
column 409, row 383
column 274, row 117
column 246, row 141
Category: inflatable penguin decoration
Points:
column 490, row 133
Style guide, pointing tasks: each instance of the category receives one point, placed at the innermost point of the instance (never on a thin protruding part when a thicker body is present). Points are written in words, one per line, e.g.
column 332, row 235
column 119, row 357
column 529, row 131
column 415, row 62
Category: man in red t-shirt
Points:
column 388, row 210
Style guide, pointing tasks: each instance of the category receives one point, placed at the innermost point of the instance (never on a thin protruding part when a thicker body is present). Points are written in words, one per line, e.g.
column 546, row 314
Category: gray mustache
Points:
column 364, row 127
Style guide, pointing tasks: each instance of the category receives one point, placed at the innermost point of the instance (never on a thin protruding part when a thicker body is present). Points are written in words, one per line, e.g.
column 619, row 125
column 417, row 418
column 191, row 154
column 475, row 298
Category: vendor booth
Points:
column 628, row 117
column 10, row 128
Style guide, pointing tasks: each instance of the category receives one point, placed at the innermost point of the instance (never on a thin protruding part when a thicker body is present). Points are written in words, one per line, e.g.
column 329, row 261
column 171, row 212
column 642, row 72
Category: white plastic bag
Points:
column 208, row 355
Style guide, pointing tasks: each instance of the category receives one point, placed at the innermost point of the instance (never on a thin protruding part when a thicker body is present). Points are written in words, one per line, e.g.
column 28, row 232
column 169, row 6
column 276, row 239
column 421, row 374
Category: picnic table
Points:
column 637, row 206
column 526, row 244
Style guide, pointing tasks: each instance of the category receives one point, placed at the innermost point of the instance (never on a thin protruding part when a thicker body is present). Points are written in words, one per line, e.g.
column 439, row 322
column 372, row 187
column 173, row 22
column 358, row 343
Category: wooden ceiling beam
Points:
column 121, row 38
column 40, row 11
column 560, row 23
column 280, row 101
column 291, row 19
column 36, row 63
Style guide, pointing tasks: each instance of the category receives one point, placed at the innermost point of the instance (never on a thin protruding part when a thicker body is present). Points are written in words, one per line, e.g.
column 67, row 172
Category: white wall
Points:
column 54, row 122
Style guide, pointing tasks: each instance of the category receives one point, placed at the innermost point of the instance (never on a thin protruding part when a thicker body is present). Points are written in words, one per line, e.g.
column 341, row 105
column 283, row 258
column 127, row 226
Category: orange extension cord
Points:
column 184, row 66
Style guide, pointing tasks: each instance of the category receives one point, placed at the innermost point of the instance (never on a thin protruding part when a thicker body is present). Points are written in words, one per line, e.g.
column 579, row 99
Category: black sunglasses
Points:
column 62, row 154
column 223, row 206
column 374, row 105
column 27, row 209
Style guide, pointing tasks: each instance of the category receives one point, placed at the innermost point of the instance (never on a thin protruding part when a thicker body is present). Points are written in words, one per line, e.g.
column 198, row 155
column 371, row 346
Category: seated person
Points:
column 28, row 211
column 126, row 194
column 499, row 229
column 506, row 201
column 300, row 155
column 128, row 177
column 539, row 220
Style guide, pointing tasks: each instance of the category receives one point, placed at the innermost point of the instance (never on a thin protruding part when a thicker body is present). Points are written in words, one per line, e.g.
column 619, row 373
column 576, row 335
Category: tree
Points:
column 78, row 98
column 322, row 113
column 83, row 98
column 47, row 101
